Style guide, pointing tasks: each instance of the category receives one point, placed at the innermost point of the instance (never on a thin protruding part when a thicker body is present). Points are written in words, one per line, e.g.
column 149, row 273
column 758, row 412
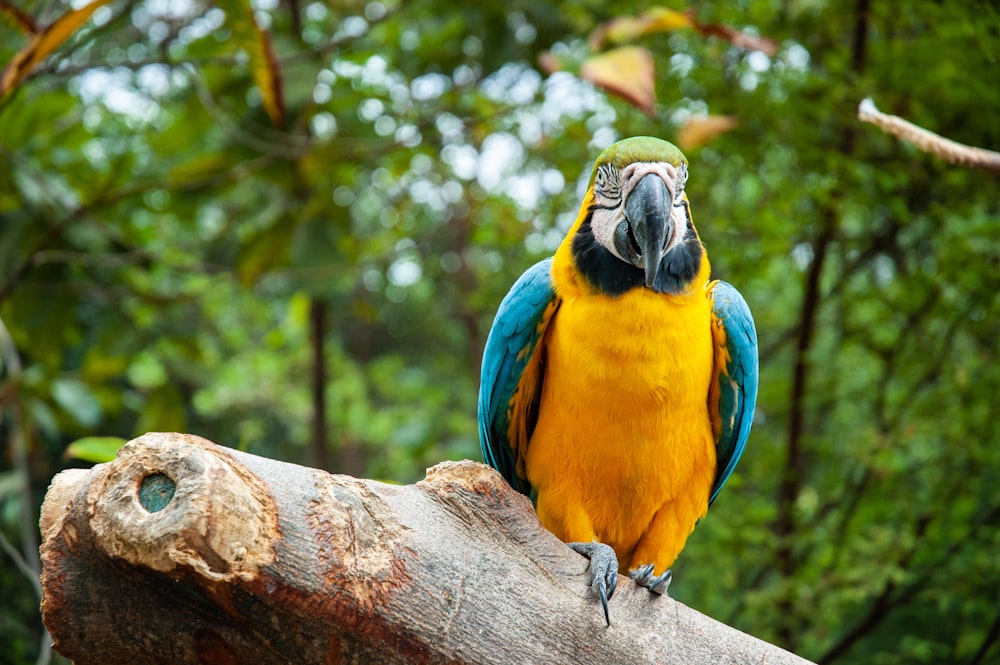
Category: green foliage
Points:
column 165, row 243
column 94, row 448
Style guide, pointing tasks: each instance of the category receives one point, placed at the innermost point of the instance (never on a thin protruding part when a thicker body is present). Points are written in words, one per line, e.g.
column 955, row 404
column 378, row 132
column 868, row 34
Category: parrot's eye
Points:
column 679, row 180
column 608, row 182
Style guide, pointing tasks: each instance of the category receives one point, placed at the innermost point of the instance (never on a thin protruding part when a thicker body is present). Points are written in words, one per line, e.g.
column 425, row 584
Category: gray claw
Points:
column 603, row 571
column 643, row 575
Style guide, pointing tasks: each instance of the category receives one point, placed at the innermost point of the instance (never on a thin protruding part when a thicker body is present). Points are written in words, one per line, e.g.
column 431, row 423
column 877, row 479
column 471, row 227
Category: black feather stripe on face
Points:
column 612, row 276
column 681, row 265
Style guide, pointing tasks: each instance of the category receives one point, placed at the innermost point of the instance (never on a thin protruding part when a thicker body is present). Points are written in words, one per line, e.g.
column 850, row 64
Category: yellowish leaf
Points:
column 267, row 75
column 626, row 71
column 264, row 67
column 699, row 131
column 662, row 19
column 43, row 44
column 628, row 28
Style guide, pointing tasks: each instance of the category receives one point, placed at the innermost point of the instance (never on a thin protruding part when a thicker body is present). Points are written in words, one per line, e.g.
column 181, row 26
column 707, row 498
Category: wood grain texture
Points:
column 258, row 561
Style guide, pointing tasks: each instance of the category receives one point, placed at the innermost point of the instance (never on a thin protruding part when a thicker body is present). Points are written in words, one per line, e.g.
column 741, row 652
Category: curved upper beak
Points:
column 647, row 213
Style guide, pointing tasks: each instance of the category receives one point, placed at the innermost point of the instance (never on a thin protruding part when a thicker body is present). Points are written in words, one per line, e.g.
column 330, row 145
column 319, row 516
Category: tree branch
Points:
column 317, row 387
column 928, row 141
column 186, row 552
column 991, row 638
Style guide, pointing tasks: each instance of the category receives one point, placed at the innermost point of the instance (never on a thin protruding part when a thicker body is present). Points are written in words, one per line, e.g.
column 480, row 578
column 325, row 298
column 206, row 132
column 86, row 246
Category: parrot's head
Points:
column 635, row 228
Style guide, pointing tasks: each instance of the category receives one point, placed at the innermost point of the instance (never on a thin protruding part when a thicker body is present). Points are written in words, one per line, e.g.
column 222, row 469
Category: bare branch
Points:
column 928, row 141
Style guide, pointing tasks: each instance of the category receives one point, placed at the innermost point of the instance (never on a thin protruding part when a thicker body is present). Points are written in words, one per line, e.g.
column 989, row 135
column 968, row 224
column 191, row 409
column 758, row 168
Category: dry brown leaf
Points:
column 264, row 66
column 267, row 74
column 739, row 39
column 699, row 131
column 627, row 71
column 43, row 44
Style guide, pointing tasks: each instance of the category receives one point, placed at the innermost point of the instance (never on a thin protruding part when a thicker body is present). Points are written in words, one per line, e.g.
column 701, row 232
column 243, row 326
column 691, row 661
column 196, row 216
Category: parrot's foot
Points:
column 643, row 576
column 603, row 570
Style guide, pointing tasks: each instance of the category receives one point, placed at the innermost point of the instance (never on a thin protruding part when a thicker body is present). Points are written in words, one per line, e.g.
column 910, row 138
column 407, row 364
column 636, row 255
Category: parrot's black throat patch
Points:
column 614, row 277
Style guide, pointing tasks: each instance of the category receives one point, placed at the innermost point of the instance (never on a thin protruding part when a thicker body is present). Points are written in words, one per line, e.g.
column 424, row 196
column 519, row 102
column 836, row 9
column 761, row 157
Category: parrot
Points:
column 619, row 383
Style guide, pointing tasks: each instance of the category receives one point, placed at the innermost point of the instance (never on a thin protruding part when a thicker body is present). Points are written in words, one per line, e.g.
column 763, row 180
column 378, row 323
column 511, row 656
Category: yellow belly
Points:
column 623, row 450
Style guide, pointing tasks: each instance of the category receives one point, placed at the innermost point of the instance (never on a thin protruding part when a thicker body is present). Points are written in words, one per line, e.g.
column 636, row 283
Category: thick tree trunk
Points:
column 181, row 551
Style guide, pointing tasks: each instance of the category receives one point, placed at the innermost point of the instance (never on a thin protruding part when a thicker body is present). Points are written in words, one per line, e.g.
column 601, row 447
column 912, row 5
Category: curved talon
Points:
column 603, row 593
column 643, row 576
column 603, row 571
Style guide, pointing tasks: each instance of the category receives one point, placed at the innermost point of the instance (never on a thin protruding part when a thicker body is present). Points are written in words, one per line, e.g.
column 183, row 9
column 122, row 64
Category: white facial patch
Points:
column 612, row 189
column 604, row 221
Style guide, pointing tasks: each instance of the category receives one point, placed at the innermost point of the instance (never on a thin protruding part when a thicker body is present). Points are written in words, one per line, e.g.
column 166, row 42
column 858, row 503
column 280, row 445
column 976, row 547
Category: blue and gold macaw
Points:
column 618, row 382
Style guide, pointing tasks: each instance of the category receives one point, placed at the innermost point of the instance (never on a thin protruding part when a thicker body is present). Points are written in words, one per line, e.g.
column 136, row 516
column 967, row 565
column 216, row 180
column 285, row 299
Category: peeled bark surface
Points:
column 182, row 551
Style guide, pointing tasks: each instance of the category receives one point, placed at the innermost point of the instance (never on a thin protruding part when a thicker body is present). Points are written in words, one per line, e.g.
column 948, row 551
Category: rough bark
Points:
column 182, row 551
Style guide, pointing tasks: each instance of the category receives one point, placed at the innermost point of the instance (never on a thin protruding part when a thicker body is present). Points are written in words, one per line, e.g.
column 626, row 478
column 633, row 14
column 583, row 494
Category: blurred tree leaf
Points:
column 78, row 400
column 626, row 71
column 265, row 250
column 97, row 449
column 739, row 38
column 17, row 17
column 163, row 411
column 43, row 43
column 11, row 484
column 248, row 35
column 698, row 131
column 624, row 29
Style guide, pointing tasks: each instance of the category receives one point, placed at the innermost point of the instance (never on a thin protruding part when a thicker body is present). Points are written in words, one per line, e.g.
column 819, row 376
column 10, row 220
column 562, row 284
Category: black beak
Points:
column 648, row 228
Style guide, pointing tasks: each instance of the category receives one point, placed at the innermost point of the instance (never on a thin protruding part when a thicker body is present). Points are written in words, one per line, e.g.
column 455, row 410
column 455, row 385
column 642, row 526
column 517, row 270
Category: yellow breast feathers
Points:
column 623, row 449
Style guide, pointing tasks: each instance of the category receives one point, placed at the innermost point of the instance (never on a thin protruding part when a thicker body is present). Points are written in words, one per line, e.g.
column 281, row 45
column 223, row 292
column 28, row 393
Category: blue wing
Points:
column 513, row 368
column 733, row 395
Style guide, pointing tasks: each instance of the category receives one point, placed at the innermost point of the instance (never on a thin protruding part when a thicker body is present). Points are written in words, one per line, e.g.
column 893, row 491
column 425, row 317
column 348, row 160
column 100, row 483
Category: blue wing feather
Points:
column 736, row 377
column 508, row 369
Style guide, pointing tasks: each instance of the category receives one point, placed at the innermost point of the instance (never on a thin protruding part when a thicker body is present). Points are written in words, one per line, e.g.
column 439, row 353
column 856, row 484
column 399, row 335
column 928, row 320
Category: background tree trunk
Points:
column 181, row 551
